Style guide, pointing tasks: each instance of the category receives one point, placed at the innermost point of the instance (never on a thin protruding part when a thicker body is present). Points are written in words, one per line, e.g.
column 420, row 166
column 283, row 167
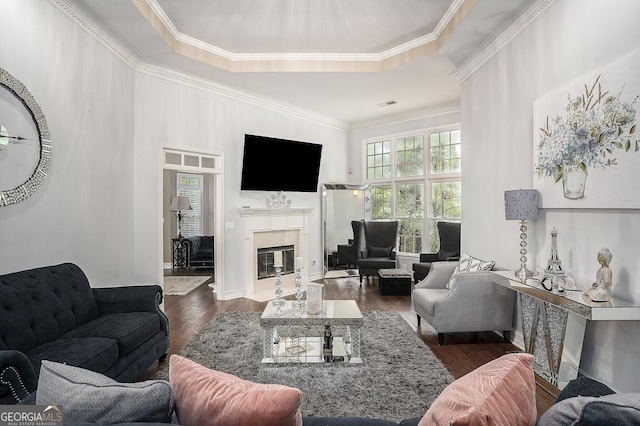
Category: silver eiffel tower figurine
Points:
column 554, row 272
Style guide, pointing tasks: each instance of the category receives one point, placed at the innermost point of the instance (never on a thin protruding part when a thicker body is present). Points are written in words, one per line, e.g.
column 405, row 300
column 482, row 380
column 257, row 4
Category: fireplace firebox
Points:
column 265, row 261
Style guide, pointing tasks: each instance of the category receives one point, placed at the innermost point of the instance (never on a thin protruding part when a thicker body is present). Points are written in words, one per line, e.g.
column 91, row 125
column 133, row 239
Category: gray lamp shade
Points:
column 521, row 204
column 180, row 203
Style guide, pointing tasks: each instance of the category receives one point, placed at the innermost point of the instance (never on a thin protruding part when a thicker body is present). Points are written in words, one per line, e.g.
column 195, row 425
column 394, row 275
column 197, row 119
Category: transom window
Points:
column 416, row 185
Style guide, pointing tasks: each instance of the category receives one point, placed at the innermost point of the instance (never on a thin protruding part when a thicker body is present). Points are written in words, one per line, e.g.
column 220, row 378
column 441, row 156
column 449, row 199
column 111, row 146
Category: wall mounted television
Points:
column 272, row 164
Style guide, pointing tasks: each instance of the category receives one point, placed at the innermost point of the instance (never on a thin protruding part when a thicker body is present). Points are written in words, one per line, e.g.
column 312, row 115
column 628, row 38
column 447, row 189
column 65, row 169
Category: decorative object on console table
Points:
column 314, row 298
column 522, row 205
column 601, row 289
column 278, row 302
column 554, row 274
column 178, row 204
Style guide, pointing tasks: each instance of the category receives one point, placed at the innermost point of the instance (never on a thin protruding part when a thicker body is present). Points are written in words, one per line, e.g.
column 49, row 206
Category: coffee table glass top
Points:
column 335, row 310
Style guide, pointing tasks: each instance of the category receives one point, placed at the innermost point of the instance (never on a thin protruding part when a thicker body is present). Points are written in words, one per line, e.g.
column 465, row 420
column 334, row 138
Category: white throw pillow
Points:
column 469, row 263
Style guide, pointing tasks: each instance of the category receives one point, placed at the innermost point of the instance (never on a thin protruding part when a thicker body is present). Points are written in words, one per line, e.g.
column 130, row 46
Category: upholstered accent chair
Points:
column 464, row 302
column 349, row 254
column 449, row 233
column 380, row 248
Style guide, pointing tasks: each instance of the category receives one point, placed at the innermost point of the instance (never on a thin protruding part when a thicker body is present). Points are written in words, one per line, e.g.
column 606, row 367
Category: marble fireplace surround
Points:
column 265, row 227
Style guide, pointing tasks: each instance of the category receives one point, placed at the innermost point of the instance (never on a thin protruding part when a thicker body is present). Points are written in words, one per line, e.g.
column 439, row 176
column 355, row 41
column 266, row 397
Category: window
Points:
column 445, row 152
column 446, row 205
column 379, row 160
column 409, row 156
column 381, row 202
column 191, row 186
column 404, row 175
column 410, row 215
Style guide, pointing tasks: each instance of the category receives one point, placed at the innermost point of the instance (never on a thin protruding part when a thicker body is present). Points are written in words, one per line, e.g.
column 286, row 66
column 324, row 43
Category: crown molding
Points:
column 89, row 24
column 301, row 62
column 502, row 36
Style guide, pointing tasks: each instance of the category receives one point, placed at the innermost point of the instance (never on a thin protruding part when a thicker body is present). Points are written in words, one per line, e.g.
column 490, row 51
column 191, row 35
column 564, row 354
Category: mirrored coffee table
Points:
column 303, row 339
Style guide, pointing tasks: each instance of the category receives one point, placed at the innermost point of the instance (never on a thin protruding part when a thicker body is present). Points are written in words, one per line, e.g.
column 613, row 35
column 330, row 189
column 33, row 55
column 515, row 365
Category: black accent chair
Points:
column 349, row 254
column 449, row 233
column 380, row 248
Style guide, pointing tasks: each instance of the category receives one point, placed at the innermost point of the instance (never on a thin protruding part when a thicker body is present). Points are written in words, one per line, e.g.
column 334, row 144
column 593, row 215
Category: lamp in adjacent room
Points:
column 522, row 205
column 178, row 204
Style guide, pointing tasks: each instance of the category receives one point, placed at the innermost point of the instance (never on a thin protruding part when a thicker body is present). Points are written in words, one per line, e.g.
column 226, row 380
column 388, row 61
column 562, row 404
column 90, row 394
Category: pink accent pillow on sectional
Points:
column 208, row 397
column 501, row 392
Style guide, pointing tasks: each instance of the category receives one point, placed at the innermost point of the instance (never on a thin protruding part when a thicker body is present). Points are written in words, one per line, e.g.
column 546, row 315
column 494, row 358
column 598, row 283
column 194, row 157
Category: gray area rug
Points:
column 399, row 378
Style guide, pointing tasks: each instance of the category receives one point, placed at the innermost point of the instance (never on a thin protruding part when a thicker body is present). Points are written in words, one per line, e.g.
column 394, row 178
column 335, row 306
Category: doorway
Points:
column 208, row 165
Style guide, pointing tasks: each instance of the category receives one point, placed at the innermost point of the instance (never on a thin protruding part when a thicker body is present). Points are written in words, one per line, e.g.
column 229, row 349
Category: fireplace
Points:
column 273, row 229
column 264, row 263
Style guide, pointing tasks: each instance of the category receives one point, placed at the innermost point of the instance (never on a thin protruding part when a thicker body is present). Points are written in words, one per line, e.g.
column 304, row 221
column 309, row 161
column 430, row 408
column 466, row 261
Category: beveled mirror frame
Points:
column 31, row 184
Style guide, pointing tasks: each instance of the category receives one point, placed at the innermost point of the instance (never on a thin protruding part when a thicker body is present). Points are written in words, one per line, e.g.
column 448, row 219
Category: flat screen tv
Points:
column 271, row 164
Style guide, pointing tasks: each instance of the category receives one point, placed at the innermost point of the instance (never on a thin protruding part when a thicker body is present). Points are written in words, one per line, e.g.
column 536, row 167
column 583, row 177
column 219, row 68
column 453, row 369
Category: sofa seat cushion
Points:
column 128, row 329
column 95, row 354
column 428, row 297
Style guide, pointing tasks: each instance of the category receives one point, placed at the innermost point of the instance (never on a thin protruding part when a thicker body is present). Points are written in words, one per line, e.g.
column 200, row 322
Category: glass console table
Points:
column 300, row 339
column 553, row 325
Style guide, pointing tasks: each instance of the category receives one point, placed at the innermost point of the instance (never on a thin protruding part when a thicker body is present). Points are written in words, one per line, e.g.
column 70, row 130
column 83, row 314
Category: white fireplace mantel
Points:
column 257, row 220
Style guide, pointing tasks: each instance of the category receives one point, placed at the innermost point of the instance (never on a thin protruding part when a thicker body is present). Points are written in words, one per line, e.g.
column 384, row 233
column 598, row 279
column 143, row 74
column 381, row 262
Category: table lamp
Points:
column 522, row 205
column 178, row 204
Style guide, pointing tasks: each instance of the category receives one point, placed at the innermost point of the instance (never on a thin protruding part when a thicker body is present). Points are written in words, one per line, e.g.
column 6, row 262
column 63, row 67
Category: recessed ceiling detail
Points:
column 207, row 53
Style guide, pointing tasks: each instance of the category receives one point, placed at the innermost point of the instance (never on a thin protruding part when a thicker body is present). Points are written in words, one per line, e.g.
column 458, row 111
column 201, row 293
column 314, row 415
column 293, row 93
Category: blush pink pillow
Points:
column 501, row 392
column 208, row 397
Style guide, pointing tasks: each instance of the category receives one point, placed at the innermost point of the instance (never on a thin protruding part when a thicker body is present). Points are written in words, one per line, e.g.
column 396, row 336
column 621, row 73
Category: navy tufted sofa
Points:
column 53, row 313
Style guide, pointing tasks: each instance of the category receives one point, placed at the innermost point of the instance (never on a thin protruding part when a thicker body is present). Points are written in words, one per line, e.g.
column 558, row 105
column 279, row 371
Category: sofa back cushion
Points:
column 39, row 305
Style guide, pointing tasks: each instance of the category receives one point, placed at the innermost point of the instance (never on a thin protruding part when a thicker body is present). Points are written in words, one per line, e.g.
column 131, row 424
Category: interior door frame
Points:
column 182, row 159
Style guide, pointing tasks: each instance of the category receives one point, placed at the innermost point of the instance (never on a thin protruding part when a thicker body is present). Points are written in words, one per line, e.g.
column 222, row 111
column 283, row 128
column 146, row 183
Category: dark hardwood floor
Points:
column 461, row 353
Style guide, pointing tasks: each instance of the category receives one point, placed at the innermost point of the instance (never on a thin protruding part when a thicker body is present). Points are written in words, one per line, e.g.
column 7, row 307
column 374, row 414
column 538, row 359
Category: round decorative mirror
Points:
column 25, row 144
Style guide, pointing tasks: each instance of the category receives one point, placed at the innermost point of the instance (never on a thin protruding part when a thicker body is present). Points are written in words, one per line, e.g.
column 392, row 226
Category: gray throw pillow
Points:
column 87, row 396
column 617, row 409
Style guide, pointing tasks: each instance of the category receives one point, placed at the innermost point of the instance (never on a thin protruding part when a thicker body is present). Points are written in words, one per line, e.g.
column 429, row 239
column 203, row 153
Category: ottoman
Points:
column 394, row 282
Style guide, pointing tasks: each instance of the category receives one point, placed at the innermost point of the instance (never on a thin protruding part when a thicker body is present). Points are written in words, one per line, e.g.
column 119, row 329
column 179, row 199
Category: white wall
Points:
column 83, row 211
column 572, row 39
column 169, row 113
column 101, row 205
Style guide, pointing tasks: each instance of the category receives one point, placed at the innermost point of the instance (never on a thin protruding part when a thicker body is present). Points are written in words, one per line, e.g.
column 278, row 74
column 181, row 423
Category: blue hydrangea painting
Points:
column 586, row 141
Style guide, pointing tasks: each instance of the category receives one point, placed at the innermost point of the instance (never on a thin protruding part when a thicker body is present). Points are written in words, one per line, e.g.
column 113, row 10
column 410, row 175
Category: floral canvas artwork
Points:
column 586, row 142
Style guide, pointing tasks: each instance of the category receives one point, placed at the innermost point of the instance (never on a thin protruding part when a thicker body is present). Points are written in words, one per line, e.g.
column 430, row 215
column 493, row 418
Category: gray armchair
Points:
column 380, row 248
column 449, row 233
column 473, row 303
column 349, row 254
